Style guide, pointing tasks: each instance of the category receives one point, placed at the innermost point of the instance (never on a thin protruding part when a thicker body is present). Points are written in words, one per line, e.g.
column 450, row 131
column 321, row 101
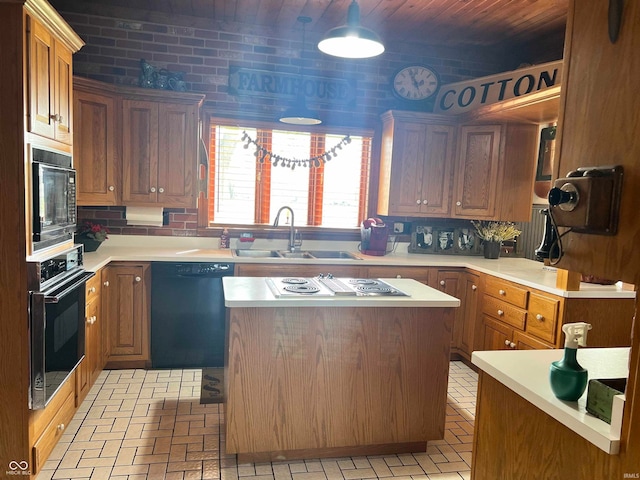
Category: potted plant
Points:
column 91, row 235
column 493, row 234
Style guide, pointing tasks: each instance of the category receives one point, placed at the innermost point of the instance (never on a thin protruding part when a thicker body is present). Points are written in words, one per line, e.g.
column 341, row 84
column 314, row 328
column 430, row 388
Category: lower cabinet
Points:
column 48, row 425
column 449, row 282
column 127, row 296
column 89, row 369
column 265, row 270
column 468, row 336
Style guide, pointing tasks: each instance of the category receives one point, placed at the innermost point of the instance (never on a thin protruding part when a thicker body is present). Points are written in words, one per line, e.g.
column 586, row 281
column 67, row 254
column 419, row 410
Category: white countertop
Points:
column 254, row 292
column 526, row 372
column 204, row 249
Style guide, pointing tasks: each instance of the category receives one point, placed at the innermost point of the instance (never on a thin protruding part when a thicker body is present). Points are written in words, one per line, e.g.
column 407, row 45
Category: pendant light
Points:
column 351, row 40
column 298, row 113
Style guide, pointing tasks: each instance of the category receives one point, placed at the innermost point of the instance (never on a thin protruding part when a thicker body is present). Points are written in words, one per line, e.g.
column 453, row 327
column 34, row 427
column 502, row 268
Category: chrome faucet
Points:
column 292, row 231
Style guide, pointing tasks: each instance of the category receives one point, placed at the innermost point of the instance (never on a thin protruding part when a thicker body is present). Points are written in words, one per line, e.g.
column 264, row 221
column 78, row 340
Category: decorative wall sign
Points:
column 264, row 155
column 263, row 83
column 457, row 98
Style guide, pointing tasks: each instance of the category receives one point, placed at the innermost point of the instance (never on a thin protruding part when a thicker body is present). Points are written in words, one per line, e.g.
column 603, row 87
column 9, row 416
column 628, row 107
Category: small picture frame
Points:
column 445, row 240
column 424, row 238
column 466, row 241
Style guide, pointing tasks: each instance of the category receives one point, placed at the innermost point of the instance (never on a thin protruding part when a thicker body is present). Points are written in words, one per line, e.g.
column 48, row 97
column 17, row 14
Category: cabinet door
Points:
column 177, row 156
column 449, row 282
column 263, row 270
column 62, row 93
column 41, row 74
column 472, row 295
column 436, row 179
column 525, row 342
column 94, row 148
column 497, row 336
column 127, row 305
column 139, row 152
column 478, row 171
column 420, row 274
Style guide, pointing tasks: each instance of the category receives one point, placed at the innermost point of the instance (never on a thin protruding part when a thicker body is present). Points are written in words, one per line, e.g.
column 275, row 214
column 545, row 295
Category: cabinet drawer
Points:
column 543, row 317
column 506, row 291
column 41, row 418
column 93, row 287
column 505, row 312
column 52, row 433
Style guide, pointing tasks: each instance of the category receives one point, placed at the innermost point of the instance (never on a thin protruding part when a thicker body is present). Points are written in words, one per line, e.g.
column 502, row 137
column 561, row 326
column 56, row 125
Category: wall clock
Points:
column 415, row 82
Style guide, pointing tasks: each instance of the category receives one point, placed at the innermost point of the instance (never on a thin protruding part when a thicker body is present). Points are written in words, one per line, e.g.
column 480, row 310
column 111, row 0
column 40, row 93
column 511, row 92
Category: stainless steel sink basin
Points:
column 256, row 253
column 304, row 255
column 337, row 254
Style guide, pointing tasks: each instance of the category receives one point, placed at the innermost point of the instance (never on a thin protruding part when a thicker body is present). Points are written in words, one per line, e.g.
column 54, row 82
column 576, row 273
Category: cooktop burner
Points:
column 330, row 286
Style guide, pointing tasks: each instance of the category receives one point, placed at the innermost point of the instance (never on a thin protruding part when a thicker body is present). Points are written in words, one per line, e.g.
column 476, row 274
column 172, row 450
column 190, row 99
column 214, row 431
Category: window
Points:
column 247, row 185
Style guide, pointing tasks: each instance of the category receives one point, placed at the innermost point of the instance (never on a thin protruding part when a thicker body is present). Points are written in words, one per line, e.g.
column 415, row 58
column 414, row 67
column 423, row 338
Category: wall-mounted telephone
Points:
column 588, row 200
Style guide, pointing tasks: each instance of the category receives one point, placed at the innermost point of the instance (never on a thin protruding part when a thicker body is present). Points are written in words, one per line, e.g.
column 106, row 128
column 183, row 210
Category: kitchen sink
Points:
column 304, row 255
column 337, row 254
column 257, row 253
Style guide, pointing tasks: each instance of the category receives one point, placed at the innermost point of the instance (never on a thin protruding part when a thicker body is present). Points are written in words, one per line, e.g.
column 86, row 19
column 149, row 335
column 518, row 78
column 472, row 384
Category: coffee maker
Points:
column 374, row 235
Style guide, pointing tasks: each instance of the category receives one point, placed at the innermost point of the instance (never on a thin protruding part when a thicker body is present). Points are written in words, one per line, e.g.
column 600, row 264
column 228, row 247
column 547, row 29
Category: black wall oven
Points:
column 56, row 321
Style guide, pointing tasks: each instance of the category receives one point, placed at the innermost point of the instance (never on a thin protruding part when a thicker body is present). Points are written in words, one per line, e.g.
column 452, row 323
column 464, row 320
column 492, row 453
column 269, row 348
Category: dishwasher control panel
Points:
column 203, row 268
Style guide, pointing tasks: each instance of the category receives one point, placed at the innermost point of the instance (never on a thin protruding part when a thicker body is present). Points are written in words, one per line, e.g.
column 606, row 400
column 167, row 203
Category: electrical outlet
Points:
column 398, row 227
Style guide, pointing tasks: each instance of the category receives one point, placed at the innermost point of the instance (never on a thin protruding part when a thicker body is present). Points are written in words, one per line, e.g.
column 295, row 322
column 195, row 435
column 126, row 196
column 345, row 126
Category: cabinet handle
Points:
column 56, row 117
column 512, row 345
column 474, row 287
column 502, row 292
column 539, row 317
column 443, row 283
column 418, row 201
column 60, row 427
column 458, row 204
column 425, row 202
column 161, row 190
column 500, row 313
column 153, row 189
column 111, row 188
column 92, row 290
column 507, row 342
column 106, row 284
column 398, row 276
column 138, row 279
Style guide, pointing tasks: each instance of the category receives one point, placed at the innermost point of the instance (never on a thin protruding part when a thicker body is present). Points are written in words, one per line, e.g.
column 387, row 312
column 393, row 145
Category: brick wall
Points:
column 114, row 47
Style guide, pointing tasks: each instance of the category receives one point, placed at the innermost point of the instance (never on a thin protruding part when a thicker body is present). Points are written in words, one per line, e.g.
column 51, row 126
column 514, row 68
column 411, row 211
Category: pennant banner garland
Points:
column 263, row 155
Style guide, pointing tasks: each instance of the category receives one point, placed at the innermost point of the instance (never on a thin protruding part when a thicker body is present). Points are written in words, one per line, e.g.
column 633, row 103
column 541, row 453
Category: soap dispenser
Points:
column 568, row 379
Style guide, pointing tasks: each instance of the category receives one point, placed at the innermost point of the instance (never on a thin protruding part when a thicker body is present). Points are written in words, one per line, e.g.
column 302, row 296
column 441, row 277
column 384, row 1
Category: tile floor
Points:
column 149, row 425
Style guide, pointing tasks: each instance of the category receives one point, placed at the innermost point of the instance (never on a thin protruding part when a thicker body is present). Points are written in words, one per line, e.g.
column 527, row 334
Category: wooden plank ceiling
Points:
column 430, row 22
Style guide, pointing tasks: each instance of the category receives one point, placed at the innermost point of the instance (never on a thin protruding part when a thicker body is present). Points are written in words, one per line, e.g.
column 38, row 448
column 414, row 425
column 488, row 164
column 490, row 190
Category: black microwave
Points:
column 54, row 208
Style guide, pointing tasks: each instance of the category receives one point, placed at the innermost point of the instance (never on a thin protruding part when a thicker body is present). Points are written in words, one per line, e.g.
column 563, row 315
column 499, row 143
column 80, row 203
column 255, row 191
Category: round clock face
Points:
column 416, row 82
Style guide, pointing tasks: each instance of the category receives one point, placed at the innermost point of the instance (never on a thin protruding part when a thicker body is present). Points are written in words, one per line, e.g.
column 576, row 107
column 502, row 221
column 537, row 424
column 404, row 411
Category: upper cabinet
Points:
column 49, row 83
column 95, row 149
column 492, row 179
column 135, row 146
column 159, row 153
column 416, row 164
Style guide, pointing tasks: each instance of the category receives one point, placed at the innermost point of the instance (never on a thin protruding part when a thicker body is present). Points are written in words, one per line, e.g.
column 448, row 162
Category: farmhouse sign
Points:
column 319, row 90
column 461, row 97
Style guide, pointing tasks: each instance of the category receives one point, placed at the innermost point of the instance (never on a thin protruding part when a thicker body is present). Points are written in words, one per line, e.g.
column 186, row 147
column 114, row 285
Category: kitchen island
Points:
column 309, row 377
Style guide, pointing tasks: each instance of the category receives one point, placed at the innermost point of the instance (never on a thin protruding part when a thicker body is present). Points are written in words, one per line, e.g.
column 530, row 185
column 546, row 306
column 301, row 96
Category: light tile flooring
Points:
column 149, row 425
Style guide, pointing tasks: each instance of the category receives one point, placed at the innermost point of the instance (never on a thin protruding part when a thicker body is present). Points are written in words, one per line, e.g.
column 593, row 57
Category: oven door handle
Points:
column 56, row 298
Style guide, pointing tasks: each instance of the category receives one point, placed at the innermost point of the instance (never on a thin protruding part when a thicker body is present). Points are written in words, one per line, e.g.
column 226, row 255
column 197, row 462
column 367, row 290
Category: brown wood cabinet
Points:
column 265, row 270
column 518, row 317
column 136, row 146
column 467, row 334
column 159, row 153
column 50, row 84
column 416, row 164
column 95, row 144
column 127, row 307
column 495, row 172
column 420, row 274
column 89, row 369
column 450, row 282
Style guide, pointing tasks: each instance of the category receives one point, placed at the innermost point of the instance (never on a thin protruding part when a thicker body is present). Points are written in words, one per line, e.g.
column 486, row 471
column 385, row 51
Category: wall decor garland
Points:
column 263, row 154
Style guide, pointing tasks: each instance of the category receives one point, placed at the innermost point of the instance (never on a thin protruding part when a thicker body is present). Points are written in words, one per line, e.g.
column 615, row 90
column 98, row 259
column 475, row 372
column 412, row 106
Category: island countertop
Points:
column 254, row 292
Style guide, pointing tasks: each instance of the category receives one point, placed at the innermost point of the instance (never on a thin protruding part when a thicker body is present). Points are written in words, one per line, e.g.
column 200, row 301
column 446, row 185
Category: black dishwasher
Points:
column 187, row 314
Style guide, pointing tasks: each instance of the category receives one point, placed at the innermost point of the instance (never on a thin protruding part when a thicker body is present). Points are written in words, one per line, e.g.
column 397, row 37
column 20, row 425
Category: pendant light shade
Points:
column 351, row 40
column 298, row 113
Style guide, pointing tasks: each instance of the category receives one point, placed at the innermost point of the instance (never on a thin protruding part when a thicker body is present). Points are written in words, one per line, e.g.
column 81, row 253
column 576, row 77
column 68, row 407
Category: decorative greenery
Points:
column 496, row 231
column 94, row 231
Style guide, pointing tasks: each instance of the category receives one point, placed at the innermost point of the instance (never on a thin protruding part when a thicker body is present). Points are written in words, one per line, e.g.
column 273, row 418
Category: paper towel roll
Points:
column 144, row 216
